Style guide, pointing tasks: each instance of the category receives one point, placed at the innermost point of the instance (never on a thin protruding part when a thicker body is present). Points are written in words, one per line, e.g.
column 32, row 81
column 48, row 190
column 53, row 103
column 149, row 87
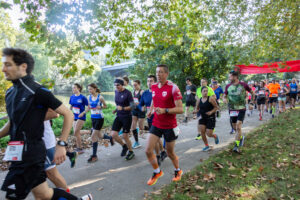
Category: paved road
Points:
column 113, row 178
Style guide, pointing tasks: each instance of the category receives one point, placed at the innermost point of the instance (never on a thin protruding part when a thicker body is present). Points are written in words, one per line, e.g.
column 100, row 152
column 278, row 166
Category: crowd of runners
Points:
column 34, row 152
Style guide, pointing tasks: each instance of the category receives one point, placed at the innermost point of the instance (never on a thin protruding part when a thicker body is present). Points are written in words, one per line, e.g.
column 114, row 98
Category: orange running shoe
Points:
column 178, row 175
column 155, row 177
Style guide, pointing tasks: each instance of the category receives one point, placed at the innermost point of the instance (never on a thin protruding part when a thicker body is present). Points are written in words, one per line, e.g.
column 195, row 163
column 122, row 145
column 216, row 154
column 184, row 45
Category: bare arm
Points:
column 51, row 114
column 103, row 102
column 3, row 118
column 178, row 109
column 4, row 130
column 60, row 153
column 214, row 103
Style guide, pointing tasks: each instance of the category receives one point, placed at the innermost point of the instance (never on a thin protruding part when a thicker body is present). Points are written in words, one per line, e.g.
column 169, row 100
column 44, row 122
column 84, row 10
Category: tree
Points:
column 203, row 58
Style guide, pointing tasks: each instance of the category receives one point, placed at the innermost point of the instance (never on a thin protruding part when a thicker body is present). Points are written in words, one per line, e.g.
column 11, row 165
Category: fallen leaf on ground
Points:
column 198, row 187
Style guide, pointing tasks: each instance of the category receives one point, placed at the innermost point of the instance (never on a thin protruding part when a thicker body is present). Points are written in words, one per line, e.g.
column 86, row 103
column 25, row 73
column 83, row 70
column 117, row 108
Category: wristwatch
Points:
column 62, row 143
column 167, row 110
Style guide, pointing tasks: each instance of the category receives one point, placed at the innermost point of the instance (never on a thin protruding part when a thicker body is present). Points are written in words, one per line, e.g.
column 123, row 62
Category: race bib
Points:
column 95, row 111
column 274, row 95
column 76, row 110
column 176, row 131
column 14, row 151
column 234, row 113
column 261, row 92
column 293, row 89
column 136, row 100
column 188, row 92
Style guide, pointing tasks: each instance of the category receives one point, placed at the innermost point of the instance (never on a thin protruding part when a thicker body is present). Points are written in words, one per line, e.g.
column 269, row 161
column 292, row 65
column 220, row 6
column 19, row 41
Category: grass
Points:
column 268, row 167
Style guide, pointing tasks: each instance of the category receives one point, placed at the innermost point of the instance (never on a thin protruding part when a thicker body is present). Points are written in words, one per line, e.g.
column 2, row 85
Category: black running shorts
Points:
column 273, row 99
column 139, row 114
column 261, row 101
column 240, row 117
column 293, row 95
column 169, row 134
column 210, row 123
column 97, row 124
column 122, row 122
column 190, row 103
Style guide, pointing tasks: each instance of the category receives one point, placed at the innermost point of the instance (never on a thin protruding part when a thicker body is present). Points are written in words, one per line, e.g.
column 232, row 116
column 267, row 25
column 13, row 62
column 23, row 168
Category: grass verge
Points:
column 268, row 167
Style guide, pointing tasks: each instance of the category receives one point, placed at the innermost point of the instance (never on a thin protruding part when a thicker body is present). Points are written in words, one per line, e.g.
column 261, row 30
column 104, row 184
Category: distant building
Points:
column 120, row 69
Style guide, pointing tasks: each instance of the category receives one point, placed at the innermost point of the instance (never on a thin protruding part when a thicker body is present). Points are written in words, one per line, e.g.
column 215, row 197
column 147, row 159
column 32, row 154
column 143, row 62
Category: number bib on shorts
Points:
column 261, row 92
column 76, row 110
column 234, row 113
column 188, row 92
column 14, row 151
column 274, row 95
column 176, row 131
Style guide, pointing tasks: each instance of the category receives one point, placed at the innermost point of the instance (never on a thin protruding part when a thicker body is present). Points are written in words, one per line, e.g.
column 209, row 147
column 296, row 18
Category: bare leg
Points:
column 127, row 140
column 117, row 138
column 56, row 178
column 151, row 143
column 171, row 153
column 78, row 127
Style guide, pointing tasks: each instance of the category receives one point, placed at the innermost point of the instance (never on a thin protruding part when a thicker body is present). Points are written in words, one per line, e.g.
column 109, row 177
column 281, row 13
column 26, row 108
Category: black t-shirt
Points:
column 189, row 95
column 123, row 99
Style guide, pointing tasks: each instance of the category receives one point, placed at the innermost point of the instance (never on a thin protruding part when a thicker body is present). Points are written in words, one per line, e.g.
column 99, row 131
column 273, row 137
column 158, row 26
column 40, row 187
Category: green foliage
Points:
column 204, row 58
column 104, row 81
column 267, row 168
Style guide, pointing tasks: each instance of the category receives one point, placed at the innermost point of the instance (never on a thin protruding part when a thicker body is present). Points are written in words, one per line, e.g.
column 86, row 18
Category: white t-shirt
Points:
column 49, row 137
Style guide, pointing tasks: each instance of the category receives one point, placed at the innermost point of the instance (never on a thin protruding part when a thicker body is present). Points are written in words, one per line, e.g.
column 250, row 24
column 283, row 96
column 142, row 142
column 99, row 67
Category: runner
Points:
column 287, row 84
column 138, row 116
column 199, row 95
column 268, row 94
column 126, row 84
column 250, row 98
column 144, row 105
column 219, row 93
column 282, row 96
column 124, row 103
column 78, row 103
column 26, row 150
column 235, row 91
column 96, row 103
column 261, row 92
column 207, row 108
column 294, row 87
column 165, row 105
column 50, row 167
column 273, row 96
column 190, row 98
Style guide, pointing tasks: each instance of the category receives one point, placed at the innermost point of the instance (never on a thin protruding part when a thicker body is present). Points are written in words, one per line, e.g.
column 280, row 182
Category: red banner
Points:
column 288, row 66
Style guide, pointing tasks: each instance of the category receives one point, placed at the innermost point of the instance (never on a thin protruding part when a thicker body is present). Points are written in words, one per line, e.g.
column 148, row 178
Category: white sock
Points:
column 178, row 169
column 156, row 170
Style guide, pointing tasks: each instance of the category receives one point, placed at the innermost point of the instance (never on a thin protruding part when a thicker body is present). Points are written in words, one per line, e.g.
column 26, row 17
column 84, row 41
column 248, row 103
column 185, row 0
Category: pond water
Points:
column 108, row 96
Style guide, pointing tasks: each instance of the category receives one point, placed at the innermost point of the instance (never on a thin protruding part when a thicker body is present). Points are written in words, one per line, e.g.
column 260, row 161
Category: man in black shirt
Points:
column 27, row 103
column 190, row 98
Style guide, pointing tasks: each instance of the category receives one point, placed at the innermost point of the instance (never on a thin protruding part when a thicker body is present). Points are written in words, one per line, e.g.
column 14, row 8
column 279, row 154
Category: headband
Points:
column 119, row 81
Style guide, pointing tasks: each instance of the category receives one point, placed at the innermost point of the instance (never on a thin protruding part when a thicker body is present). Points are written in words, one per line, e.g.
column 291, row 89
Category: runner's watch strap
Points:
column 62, row 143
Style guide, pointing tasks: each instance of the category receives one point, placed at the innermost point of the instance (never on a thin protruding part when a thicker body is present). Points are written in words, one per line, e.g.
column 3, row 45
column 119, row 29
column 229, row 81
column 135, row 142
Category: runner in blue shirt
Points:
column 218, row 92
column 96, row 104
column 78, row 103
column 294, row 88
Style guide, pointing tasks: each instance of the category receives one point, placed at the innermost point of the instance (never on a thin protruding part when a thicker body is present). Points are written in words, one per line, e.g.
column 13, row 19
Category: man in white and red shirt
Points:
column 166, row 103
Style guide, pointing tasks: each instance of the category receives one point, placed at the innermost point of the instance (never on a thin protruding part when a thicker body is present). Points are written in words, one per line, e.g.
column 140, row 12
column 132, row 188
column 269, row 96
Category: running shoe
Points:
column 206, row 148
column 163, row 156
column 87, row 197
column 112, row 143
column 158, row 160
column 93, row 159
column 242, row 140
column 260, row 117
column 232, row 131
column 130, row 155
column 124, row 150
column 136, row 145
column 72, row 156
column 236, row 149
column 178, row 175
column 155, row 177
column 79, row 151
column 185, row 120
column 217, row 140
column 199, row 137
